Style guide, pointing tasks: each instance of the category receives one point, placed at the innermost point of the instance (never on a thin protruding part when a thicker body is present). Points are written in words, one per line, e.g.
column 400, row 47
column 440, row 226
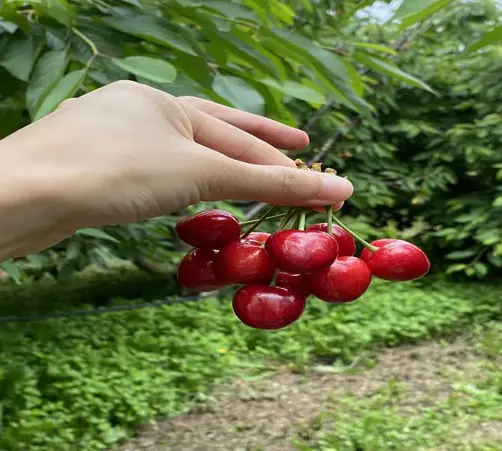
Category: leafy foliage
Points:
column 89, row 381
column 428, row 167
column 275, row 58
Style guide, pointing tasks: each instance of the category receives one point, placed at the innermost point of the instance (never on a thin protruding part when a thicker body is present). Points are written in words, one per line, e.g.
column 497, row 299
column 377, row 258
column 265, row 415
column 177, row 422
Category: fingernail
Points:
column 335, row 189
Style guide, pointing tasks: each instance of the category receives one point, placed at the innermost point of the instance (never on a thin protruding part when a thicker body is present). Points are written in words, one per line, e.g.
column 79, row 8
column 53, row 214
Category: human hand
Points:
column 128, row 152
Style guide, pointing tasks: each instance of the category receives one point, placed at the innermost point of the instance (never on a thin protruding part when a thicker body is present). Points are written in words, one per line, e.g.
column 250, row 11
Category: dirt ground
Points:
column 264, row 414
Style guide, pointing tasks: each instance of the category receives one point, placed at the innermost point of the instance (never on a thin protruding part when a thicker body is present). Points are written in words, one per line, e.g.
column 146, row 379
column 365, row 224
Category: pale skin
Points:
column 128, row 152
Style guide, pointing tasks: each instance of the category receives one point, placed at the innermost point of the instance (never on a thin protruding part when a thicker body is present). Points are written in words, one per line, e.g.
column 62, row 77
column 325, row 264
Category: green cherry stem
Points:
column 274, row 278
column 269, row 218
column 303, row 220
column 262, row 218
column 329, row 209
column 355, row 235
column 287, row 218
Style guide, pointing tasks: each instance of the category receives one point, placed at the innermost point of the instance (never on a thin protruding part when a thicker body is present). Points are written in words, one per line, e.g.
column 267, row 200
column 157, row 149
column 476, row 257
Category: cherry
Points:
column 243, row 262
column 344, row 281
column 366, row 254
column 258, row 237
column 196, row 271
column 264, row 307
column 399, row 261
column 210, row 229
column 346, row 243
column 302, row 251
column 296, row 282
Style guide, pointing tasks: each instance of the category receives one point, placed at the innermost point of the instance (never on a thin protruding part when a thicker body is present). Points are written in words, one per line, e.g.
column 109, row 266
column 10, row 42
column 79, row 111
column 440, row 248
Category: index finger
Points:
column 276, row 134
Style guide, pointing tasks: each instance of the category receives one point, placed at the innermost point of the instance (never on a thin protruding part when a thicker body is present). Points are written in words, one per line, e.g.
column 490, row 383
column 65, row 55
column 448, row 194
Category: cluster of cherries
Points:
column 279, row 271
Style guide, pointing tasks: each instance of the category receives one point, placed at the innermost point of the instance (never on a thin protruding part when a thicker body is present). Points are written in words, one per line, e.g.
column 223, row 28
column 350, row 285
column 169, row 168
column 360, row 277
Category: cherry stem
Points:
column 269, row 218
column 355, row 235
column 274, row 278
column 262, row 218
column 303, row 220
column 287, row 218
column 330, row 219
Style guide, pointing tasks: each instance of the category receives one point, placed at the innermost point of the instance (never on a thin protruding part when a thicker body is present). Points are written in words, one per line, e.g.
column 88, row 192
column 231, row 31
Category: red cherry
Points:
column 196, row 271
column 346, row 243
column 258, row 237
column 302, row 251
column 399, row 261
column 210, row 229
column 295, row 282
column 264, row 307
column 243, row 262
column 344, row 281
column 366, row 254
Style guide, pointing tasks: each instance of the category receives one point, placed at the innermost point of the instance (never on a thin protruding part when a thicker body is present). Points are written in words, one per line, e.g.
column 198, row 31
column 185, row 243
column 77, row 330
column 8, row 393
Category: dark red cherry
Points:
column 344, row 281
column 296, row 282
column 399, row 261
column 302, row 251
column 243, row 262
column 196, row 271
column 210, row 229
column 346, row 243
column 366, row 254
column 264, row 307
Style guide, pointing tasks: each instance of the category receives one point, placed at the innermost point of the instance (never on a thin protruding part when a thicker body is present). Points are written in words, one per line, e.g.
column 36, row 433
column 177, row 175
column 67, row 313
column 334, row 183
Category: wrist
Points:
column 32, row 215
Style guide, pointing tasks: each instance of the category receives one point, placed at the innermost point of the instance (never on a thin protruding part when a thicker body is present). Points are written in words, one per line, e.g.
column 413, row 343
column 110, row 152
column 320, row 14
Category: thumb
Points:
column 281, row 185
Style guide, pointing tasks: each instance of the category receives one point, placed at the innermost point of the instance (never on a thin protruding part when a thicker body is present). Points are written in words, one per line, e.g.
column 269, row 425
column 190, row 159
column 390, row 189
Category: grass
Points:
column 85, row 383
column 468, row 419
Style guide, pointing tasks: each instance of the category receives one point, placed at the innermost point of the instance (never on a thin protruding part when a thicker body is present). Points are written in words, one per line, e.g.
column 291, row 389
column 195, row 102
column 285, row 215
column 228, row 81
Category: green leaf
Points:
column 376, row 47
column 481, row 269
column 244, row 46
column 73, row 250
column 304, row 49
column 183, row 86
column 296, row 90
column 387, row 67
column 307, row 5
column 489, row 38
column 9, row 27
column 231, row 10
column 460, row 255
column 64, row 89
column 59, row 10
column 48, row 70
column 196, row 68
column 239, row 94
column 18, row 56
column 413, row 11
column 283, row 12
column 96, row 233
column 356, row 81
column 152, row 29
column 153, row 69
column 456, row 268
column 328, row 68
column 12, row 270
column 498, row 201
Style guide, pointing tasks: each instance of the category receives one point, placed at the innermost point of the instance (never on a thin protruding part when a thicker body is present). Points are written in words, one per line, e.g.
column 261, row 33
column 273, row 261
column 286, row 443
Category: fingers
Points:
column 276, row 185
column 233, row 142
column 275, row 133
